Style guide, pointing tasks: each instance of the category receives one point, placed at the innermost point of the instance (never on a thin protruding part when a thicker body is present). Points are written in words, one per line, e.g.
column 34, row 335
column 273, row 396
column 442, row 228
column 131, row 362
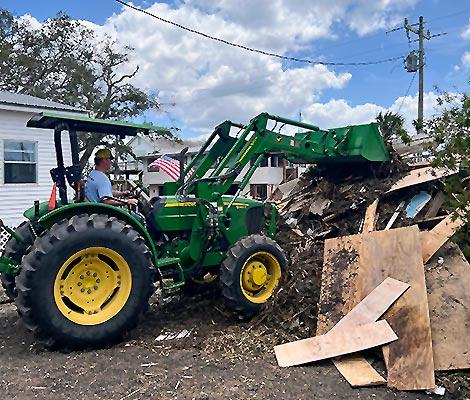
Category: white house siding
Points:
column 16, row 198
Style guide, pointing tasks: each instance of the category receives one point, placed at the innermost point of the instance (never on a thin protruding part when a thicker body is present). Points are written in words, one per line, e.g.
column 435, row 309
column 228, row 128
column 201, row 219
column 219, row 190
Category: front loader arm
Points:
column 358, row 143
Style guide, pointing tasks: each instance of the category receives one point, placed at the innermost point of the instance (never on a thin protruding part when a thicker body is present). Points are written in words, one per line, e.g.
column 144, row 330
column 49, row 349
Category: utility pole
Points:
column 420, row 66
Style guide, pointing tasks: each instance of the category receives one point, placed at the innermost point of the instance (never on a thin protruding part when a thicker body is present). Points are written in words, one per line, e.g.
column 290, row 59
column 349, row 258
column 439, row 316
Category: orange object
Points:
column 53, row 198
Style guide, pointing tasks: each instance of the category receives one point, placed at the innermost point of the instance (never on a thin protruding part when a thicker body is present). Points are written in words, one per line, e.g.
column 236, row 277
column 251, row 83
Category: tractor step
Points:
column 165, row 262
column 175, row 262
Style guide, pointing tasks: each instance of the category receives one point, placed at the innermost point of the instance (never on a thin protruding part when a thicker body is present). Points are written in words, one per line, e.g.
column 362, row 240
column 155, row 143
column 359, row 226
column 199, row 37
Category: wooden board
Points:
column 421, row 175
column 432, row 241
column 355, row 368
column 370, row 217
column 336, row 344
column 449, row 303
column 358, row 371
column 373, row 306
column 356, row 264
column 435, row 205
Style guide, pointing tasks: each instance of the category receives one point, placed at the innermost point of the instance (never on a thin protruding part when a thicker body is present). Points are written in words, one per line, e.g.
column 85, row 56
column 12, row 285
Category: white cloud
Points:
column 466, row 32
column 337, row 113
column 210, row 82
column 466, row 59
column 368, row 16
column 28, row 19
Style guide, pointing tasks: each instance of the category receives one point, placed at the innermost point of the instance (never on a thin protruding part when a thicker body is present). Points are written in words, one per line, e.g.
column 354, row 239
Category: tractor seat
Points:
column 150, row 209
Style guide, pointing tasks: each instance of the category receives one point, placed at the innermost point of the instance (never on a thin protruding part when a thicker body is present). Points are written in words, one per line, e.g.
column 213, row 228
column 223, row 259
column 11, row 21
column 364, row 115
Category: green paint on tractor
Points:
column 202, row 225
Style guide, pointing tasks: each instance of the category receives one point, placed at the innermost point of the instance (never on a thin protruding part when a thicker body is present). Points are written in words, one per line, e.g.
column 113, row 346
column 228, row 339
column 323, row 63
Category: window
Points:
column 275, row 161
column 259, row 192
column 20, row 162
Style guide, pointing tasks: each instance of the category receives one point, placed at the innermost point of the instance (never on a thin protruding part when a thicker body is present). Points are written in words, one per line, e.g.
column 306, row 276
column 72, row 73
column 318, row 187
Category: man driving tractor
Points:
column 98, row 184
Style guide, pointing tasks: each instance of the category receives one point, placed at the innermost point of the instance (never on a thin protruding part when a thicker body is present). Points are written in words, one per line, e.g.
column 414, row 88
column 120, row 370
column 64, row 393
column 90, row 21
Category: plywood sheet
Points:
column 356, row 264
column 449, row 303
column 355, row 368
column 421, row 175
column 433, row 240
column 336, row 344
column 370, row 217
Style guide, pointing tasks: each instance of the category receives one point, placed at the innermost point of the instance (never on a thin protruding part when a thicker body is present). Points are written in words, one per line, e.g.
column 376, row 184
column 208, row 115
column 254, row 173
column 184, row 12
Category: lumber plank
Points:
column 449, row 302
column 432, row 241
column 355, row 368
column 370, row 217
column 358, row 371
column 421, row 175
column 373, row 306
column 356, row 264
column 435, row 205
column 332, row 345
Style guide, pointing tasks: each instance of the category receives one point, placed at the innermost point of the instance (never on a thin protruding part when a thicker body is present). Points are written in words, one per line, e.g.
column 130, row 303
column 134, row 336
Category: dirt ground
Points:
column 222, row 358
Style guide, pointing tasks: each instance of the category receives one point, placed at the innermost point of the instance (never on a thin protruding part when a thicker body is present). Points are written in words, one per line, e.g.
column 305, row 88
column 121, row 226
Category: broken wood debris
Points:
column 395, row 253
column 422, row 175
column 448, row 280
column 336, row 344
column 329, row 208
column 433, row 240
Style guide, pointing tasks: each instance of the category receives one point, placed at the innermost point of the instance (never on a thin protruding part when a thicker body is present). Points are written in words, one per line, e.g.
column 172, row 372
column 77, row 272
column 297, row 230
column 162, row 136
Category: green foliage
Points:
column 450, row 131
column 64, row 61
column 392, row 126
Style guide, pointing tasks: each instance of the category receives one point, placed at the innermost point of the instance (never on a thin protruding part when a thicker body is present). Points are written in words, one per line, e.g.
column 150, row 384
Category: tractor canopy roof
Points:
column 51, row 120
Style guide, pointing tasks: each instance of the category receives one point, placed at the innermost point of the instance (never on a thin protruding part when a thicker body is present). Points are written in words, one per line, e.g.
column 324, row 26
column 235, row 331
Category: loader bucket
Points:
column 364, row 142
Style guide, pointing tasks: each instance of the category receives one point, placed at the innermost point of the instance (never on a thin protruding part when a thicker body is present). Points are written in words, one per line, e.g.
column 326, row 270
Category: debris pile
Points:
column 345, row 237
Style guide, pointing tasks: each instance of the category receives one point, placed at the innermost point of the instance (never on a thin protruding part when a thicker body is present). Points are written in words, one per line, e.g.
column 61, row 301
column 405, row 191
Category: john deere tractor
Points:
column 82, row 273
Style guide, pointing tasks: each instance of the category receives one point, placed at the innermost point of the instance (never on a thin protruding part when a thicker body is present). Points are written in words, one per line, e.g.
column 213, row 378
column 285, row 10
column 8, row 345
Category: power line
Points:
column 251, row 49
column 438, row 18
column 407, row 92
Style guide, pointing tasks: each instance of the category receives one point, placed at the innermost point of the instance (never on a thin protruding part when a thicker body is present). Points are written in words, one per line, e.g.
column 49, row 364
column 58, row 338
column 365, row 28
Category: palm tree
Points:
column 392, row 126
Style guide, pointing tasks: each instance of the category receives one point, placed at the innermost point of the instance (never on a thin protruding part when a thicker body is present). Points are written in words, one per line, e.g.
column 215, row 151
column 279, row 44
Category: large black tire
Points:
column 233, row 267
column 39, row 303
column 15, row 250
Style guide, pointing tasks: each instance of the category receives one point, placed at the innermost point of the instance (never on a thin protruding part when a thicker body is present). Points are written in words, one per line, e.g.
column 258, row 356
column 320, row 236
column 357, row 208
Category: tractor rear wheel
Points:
column 251, row 273
column 85, row 282
column 15, row 250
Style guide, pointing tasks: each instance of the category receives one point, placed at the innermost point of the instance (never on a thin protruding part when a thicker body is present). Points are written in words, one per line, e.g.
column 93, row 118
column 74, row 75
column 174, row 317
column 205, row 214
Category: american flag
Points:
column 170, row 166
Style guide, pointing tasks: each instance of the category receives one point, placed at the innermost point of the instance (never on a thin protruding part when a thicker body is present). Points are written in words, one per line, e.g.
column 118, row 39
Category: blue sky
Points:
column 380, row 85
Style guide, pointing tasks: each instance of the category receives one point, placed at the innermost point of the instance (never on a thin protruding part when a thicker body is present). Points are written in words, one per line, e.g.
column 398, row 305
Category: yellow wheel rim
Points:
column 92, row 286
column 260, row 277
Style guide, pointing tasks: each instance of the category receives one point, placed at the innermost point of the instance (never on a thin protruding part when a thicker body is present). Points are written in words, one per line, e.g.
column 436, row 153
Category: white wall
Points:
column 16, row 198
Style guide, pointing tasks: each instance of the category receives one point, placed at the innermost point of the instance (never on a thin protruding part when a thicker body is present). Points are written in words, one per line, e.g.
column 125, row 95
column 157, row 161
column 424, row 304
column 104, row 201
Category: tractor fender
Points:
column 68, row 211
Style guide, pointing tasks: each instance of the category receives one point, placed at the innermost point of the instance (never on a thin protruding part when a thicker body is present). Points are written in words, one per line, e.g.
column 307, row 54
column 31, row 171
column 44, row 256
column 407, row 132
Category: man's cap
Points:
column 104, row 153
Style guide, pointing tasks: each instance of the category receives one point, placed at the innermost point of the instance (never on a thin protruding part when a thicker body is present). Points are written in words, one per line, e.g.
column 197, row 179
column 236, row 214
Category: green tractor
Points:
column 82, row 273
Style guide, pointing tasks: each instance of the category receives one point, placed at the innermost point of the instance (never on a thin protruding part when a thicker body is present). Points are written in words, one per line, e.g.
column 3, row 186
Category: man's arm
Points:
column 118, row 193
column 105, row 190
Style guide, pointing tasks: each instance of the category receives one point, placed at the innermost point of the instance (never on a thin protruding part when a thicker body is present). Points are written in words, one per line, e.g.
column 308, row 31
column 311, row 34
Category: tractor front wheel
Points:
column 85, row 282
column 251, row 273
